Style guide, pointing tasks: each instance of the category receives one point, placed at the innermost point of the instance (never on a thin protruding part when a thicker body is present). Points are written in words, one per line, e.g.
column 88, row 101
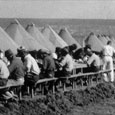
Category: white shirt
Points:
column 4, row 72
column 108, row 50
column 31, row 64
column 95, row 60
column 68, row 63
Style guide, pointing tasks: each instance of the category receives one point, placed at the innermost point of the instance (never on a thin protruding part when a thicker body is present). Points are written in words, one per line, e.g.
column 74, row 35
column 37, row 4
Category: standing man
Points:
column 108, row 52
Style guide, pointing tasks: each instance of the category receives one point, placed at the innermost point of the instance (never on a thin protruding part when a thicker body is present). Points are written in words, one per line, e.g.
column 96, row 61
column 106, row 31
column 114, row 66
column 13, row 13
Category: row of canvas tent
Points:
column 32, row 39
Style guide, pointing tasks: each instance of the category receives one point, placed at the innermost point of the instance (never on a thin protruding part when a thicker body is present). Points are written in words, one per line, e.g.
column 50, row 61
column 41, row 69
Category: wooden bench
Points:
column 42, row 83
column 88, row 76
column 14, row 85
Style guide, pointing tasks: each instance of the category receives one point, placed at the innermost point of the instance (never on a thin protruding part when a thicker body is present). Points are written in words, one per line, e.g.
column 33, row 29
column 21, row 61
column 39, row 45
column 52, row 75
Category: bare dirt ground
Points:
column 99, row 100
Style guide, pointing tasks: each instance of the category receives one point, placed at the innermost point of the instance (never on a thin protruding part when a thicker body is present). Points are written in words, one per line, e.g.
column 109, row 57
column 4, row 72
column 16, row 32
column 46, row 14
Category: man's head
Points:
column 9, row 54
column 64, row 51
column 22, row 51
column 72, row 47
column 89, row 52
column 109, row 42
column 44, row 52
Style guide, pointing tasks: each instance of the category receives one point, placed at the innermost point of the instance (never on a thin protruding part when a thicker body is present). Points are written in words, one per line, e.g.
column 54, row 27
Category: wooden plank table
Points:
column 80, row 66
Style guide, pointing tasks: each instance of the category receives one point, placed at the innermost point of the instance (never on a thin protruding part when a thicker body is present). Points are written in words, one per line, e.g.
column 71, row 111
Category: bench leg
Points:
column 53, row 90
column 28, row 90
column 43, row 89
column 32, row 92
column 64, row 86
column 20, row 95
column 73, row 84
column 81, row 79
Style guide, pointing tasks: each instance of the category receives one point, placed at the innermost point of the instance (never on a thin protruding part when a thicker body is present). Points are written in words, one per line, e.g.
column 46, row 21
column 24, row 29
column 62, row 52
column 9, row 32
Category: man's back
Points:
column 94, row 60
column 31, row 64
column 16, row 68
column 108, row 50
column 48, row 63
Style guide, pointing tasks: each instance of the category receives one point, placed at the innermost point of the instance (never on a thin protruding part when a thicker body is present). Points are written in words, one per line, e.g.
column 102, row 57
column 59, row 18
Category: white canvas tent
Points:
column 67, row 37
column 21, row 37
column 6, row 42
column 51, row 35
column 35, row 33
column 95, row 43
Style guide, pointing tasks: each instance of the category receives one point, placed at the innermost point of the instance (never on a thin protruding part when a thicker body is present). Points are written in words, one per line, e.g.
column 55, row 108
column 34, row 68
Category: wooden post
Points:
column 64, row 86
column 32, row 92
column 28, row 90
column 43, row 86
column 20, row 93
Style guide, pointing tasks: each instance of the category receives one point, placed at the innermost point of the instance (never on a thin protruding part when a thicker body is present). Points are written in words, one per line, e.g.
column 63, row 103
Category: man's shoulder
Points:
column 17, row 60
column 2, row 62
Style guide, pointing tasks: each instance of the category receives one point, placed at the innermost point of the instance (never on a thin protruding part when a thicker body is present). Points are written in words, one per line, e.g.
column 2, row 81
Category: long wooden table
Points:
column 80, row 66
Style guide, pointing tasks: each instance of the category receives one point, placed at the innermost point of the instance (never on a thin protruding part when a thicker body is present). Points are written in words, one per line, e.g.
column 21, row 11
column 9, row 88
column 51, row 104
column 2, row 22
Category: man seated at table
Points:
column 48, row 67
column 66, row 64
column 93, row 61
column 31, row 66
column 16, row 68
column 4, row 74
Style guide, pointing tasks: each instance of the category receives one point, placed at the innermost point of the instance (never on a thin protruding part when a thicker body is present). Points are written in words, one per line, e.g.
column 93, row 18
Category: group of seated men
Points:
column 23, row 68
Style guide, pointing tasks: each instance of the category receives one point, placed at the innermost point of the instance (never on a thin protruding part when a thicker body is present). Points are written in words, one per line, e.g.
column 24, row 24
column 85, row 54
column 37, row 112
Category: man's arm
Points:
column 11, row 67
column 90, row 60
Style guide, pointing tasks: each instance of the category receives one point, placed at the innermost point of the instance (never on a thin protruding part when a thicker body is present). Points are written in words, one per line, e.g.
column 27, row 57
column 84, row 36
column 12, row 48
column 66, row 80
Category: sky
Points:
column 72, row 9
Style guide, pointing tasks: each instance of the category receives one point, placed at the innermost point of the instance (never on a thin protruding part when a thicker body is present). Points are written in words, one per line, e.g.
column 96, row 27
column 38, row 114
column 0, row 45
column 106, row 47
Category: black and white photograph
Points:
column 57, row 57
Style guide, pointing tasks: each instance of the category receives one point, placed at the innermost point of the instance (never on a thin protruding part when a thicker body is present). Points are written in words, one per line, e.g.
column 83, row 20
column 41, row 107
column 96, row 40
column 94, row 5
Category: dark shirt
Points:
column 48, row 64
column 16, row 69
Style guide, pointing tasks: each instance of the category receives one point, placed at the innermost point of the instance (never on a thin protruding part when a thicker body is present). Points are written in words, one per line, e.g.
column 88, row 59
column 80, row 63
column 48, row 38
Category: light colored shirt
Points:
column 4, row 72
column 67, row 63
column 31, row 65
column 94, row 60
column 108, row 50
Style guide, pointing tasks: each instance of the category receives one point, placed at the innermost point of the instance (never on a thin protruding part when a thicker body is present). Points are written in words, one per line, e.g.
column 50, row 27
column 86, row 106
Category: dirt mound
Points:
column 59, row 103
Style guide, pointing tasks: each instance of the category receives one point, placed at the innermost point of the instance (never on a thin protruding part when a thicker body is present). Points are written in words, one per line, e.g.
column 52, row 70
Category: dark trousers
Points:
column 3, row 82
column 62, row 73
column 31, row 79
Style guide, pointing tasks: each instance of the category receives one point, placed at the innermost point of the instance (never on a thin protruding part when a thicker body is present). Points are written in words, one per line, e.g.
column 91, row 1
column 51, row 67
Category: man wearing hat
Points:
column 31, row 66
column 16, row 67
column 48, row 64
